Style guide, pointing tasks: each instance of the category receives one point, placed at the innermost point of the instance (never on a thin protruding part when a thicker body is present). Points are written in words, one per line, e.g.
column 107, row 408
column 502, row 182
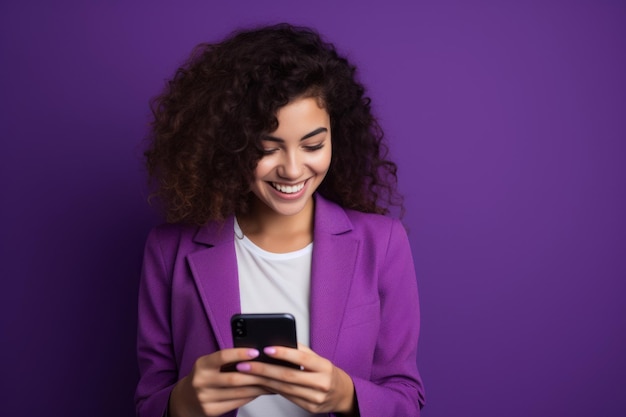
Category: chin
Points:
column 288, row 210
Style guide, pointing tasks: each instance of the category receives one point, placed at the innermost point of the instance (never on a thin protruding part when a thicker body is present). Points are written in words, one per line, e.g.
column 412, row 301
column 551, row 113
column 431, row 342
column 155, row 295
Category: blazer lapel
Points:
column 332, row 270
column 214, row 270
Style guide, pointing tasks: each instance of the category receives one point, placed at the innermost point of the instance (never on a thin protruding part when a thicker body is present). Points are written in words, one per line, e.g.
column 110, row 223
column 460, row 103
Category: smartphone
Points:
column 261, row 330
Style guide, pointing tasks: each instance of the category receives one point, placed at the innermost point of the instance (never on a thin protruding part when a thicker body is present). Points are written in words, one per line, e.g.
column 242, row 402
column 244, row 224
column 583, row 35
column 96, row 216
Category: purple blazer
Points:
column 364, row 307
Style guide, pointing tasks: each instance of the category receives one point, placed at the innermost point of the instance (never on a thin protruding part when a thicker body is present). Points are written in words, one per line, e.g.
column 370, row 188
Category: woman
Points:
column 274, row 179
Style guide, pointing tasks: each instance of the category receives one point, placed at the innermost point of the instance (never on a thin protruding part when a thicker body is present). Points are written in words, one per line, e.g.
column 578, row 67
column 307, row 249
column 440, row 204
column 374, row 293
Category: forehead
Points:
column 302, row 111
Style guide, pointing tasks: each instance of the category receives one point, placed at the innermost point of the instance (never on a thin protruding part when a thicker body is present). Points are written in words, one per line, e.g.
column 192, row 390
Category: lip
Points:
column 292, row 196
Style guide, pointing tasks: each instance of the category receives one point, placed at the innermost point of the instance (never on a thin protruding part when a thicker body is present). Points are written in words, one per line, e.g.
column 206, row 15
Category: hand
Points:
column 207, row 391
column 320, row 387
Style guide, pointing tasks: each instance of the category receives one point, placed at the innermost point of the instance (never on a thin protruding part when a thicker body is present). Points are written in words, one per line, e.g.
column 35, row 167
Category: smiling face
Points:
column 296, row 159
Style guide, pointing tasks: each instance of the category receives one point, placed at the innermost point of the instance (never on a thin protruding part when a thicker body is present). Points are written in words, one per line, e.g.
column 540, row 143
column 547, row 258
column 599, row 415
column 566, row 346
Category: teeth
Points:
column 288, row 189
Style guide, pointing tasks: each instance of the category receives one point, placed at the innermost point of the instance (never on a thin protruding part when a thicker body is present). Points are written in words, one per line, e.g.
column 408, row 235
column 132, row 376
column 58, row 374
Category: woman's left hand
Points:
column 320, row 387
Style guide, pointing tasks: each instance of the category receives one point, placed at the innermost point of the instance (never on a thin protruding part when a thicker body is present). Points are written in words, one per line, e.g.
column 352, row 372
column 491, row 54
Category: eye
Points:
column 312, row 148
column 269, row 147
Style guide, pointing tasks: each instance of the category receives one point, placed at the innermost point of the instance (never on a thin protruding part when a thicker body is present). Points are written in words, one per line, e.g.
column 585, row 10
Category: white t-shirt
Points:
column 274, row 283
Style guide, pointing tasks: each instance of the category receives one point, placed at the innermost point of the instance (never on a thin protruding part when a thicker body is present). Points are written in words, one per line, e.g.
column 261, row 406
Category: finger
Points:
column 269, row 372
column 230, row 394
column 323, row 393
column 215, row 379
column 207, row 372
column 306, row 358
column 304, row 348
column 225, row 356
column 315, row 407
column 285, row 380
column 304, row 396
column 221, row 407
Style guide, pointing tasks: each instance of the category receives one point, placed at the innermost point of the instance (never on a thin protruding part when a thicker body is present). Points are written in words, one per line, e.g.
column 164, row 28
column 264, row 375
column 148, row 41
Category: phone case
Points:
column 261, row 330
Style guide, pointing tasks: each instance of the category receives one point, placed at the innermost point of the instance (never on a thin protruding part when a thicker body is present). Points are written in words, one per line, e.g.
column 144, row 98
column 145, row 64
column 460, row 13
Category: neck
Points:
column 276, row 232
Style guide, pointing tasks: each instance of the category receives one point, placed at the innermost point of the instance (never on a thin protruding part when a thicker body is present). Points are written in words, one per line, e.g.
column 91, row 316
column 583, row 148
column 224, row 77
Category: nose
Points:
column 290, row 167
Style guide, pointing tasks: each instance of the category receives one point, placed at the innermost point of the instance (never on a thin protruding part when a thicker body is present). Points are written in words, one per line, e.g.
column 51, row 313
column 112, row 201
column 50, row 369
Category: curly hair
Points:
column 205, row 138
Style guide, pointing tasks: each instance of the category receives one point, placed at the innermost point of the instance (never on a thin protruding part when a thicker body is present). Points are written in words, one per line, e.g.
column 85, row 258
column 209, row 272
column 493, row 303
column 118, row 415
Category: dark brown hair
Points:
column 205, row 138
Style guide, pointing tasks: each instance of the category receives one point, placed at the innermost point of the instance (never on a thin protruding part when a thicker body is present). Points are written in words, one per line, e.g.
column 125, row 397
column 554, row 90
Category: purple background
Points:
column 508, row 123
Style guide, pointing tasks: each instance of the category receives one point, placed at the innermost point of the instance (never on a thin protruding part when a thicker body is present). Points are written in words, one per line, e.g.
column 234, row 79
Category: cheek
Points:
column 262, row 169
column 323, row 162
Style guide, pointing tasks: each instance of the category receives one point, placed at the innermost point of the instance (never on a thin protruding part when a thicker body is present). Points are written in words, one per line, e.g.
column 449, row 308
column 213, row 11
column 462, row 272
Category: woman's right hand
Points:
column 206, row 391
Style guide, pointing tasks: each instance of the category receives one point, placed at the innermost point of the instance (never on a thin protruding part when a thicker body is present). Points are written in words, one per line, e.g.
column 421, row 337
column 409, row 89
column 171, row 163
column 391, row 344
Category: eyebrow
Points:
column 308, row 135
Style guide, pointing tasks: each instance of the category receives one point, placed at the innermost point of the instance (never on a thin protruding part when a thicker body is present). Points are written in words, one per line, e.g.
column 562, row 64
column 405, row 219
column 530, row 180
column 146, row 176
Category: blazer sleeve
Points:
column 395, row 387
column 158, row 371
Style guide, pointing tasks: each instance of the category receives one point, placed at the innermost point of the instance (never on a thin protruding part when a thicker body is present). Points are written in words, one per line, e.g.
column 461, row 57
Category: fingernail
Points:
column 269, row 350
column 253, row 353
column 243, row 367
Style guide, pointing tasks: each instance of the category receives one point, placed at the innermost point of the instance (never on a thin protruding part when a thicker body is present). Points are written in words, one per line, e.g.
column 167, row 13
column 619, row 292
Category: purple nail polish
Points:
column 269, row 350
column 243, row 367
column 253, row 353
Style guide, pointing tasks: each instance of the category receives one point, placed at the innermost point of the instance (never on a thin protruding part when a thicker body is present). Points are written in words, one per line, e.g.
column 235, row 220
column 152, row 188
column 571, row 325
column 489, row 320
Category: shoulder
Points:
column 377, row 229
column 169, row 234
column 186, row 237
column 369, row 226
column 373, row 221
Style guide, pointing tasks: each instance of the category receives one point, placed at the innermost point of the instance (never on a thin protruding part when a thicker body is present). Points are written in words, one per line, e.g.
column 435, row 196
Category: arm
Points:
column 320, row 387
column 395, row 387
column 157, row 367
column 205, row 390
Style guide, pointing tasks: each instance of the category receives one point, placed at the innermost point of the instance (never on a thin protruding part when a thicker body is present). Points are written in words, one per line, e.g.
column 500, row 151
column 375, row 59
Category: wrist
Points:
column 348, row 405
column 180, row 399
